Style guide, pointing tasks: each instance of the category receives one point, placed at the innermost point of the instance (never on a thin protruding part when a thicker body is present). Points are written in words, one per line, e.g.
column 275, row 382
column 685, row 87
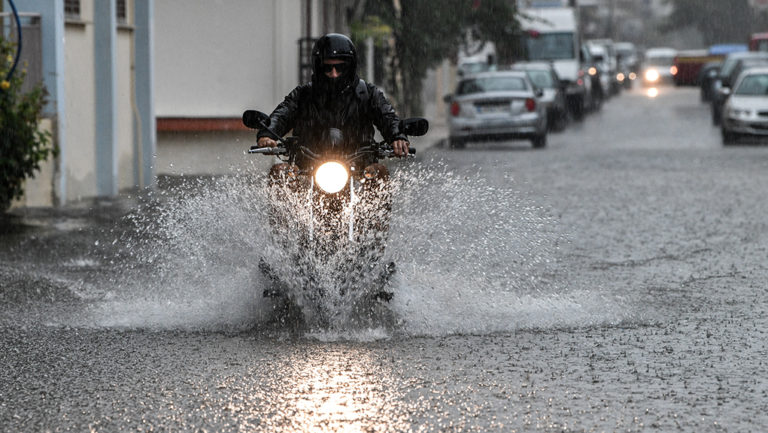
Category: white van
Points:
column 552, row 35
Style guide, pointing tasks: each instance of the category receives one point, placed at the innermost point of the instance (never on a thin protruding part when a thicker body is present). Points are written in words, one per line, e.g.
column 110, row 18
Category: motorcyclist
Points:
column 336, row 98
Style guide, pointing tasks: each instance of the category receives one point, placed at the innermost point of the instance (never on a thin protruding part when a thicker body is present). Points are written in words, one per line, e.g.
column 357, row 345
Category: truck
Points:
column 552, row 34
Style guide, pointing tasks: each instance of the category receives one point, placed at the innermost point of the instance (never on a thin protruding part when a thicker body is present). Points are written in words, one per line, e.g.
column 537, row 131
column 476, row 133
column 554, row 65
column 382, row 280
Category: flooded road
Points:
column 613, row 281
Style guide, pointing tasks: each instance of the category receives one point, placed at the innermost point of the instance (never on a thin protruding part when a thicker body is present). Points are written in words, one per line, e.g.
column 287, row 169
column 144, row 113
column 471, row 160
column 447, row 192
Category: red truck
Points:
column 688, row 65
column 758, row 42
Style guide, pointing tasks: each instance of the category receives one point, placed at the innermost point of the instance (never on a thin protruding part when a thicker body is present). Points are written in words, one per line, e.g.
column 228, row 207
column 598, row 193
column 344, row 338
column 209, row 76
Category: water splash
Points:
column 476, row 258
column 471, row 257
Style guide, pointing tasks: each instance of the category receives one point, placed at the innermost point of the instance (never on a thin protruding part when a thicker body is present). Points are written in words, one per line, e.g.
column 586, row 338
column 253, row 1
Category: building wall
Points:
column 72, row 113
column 80, row 84
column 213, row 60
column 80, row 114
column 216, row 58
column 126, row 145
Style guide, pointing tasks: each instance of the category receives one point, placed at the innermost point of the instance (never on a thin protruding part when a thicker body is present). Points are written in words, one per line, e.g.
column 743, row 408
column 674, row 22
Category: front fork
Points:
column 350, row 206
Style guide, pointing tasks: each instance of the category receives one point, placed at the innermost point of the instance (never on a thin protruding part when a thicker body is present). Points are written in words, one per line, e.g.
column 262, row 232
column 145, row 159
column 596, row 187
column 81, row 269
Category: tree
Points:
column 22, row 145
column 426, row 32
column 718, row 21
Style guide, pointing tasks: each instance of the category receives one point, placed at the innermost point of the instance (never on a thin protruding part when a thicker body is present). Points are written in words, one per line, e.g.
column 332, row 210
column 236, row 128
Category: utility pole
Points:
column 611, row 16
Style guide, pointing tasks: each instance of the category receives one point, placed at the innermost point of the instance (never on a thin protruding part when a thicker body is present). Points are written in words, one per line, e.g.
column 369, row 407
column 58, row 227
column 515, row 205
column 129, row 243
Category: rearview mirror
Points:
column 255, row 119
column 414, row 126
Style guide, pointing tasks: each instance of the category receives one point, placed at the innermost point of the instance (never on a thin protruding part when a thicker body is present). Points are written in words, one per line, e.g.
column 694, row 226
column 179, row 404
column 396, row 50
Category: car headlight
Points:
column 652, row 75
column 331, row 177
column 739, row 114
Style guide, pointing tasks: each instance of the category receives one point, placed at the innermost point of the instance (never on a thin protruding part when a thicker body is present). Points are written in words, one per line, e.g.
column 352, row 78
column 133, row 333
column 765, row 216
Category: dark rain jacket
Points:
column 310, row 113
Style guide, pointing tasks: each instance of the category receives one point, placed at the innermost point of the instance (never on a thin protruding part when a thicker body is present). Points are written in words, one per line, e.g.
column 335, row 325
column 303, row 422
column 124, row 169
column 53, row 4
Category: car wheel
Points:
column 715, row 116
column 560, row 121
column 539, row 141
column 577, row 110
column 729, row 137
column 456, row 143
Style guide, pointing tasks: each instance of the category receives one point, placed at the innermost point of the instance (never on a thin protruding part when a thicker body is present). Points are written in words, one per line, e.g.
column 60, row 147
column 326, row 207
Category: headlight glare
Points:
column 652, row 75
column 331, row 177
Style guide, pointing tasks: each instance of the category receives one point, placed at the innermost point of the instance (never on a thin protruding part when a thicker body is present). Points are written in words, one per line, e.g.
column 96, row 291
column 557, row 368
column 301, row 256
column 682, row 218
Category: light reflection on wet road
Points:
column 648, row 311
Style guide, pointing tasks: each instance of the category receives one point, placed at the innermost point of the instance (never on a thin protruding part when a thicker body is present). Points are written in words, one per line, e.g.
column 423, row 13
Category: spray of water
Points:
column 469, row 257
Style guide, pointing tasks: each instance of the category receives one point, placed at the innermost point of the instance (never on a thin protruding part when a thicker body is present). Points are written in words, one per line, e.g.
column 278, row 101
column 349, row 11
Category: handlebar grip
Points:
column 267, row 150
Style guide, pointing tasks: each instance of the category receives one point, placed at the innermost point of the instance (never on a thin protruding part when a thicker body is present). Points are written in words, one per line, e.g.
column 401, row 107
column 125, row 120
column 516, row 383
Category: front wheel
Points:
column 559, row 120
column 715, row 115
column 576, row 107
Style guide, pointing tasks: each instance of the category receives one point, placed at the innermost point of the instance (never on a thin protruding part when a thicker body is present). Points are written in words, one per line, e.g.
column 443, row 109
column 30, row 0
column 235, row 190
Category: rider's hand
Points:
column 267, row 142
column 400, row 147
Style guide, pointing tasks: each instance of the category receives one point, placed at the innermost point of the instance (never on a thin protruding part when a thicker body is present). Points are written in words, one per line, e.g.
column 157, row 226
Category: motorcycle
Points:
column 332, row 213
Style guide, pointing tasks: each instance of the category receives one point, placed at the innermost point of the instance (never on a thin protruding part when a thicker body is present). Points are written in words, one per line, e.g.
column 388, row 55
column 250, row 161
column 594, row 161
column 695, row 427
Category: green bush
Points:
column 23, row 146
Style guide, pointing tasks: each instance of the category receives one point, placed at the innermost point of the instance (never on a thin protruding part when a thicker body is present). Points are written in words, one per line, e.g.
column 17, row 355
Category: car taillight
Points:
column 455, row 109
column 530, row 104
column 673, row 70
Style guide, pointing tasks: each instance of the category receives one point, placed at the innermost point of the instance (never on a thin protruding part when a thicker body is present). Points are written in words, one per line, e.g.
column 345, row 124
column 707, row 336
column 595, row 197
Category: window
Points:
column 491, row 84
column 542, row 79
column 72, row 9
column 121, row 12
column 550, row 46
column 753, row 85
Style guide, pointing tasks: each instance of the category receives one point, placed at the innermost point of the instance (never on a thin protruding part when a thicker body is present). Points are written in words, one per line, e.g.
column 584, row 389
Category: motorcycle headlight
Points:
column 331, row 177
column 652, row 75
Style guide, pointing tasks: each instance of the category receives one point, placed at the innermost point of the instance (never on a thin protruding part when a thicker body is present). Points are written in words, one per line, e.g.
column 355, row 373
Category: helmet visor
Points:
column 341, row 68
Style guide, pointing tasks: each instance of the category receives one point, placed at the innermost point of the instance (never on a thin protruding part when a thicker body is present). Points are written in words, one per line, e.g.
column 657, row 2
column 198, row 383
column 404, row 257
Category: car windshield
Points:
column 625, row 52
column 542, row 79
column 753, row 85
column 473, row 68
column 491, row 84
column 731, row 62
column 550, row 46
column 660, row 61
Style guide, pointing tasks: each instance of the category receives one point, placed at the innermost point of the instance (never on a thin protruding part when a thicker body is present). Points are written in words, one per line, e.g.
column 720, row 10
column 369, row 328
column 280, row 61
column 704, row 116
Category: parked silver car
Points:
column 544, row 77
column 746, row 110
column 502, row 104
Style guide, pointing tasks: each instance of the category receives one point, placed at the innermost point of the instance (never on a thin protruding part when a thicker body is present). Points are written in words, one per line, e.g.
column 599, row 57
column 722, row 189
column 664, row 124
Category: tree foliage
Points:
column 426, row 32
column 718, row 21
column 23, row 146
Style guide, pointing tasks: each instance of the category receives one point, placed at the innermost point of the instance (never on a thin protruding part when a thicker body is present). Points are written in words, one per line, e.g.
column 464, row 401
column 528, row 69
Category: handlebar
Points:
column 384, row 152
column 390, row 153
column 268, row 150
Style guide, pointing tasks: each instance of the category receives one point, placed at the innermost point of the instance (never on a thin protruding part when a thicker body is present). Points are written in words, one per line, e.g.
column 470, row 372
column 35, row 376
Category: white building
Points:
column 146, row 87
column 96, row 63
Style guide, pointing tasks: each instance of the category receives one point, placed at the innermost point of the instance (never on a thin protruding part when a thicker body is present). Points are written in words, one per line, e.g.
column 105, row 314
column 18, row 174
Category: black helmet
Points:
column 334, row 46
